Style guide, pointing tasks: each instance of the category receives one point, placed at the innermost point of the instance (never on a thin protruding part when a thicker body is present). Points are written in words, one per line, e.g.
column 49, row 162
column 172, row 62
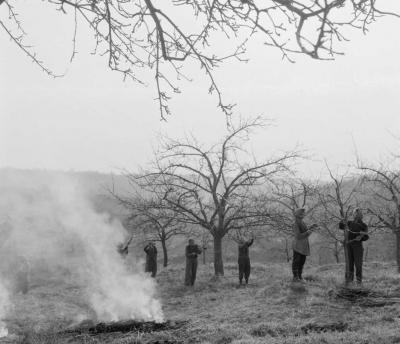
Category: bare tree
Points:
column 203, row 236
column 284, row 197
column 155, row 222
column 241, row 234
column 337, row 200
column 382, row 183
column 163, row 36
column 214, row 187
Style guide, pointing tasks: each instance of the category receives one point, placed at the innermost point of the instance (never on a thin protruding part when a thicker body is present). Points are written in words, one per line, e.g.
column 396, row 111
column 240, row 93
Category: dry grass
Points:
column 270, row 310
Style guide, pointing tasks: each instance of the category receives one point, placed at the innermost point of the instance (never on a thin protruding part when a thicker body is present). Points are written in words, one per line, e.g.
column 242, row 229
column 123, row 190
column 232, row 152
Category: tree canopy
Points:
column 214, row 186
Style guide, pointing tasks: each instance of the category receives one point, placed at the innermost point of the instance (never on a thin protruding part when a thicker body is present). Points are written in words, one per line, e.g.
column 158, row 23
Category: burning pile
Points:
column 72, row 256
column 132, row 329
column 125, row 326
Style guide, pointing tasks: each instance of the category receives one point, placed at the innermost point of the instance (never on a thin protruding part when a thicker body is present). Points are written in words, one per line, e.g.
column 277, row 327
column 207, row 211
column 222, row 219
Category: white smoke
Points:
column 54, row 227
column 4, row 304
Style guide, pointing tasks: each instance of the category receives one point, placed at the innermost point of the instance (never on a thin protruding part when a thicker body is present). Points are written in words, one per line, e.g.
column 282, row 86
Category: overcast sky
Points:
column 91, row 119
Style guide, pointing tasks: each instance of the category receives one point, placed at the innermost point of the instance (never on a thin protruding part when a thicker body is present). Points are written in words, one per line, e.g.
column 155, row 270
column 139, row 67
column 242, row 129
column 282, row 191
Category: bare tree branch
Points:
column 214, row 187
column 148, row 34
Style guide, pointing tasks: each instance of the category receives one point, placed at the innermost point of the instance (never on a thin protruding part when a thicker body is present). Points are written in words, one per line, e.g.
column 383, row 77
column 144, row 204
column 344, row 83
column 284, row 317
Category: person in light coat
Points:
column 301, row 245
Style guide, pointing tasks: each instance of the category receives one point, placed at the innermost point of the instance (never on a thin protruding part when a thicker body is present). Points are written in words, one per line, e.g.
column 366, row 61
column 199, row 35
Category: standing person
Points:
column 21, row 275
column 301, row 246
column 244, row 259
column 357, row 234
column 151, row 258
column 192, row 251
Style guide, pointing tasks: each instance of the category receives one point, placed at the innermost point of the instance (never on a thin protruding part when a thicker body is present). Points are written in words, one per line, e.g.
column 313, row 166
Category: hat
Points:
column 357, row 212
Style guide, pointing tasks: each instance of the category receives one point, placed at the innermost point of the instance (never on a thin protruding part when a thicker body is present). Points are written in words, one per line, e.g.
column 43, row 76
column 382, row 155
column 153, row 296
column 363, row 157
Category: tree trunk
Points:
column 165, row 253
column 397, row 233
column 218, row 263
column 336, row 252
column 287, row 251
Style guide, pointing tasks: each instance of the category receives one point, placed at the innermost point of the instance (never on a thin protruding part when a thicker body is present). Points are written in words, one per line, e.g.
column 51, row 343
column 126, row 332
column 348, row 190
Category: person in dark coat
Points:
column 301, row 245
column 192, row 251
column 357, row 234
column 244, row 259
column 151, row 258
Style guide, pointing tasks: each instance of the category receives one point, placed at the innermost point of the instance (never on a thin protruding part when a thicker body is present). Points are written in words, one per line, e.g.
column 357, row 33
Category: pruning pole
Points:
column 346, row 251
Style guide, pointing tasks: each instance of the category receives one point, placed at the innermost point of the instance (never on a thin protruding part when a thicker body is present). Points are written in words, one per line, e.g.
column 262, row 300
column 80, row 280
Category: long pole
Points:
column 346, row 251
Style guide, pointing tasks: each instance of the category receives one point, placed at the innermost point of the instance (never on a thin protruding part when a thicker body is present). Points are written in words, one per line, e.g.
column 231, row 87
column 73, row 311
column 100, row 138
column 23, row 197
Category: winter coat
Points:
column 355, row 228
column 300, row 241
column 151, row 258
column 244, row 249
column 192, row 251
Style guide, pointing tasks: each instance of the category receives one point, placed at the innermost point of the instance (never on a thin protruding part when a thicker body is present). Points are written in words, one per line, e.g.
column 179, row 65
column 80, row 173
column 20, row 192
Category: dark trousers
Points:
column 356, row 252
column 297, row 264
column 151, row 266
column 191, row 271
column 244, row 269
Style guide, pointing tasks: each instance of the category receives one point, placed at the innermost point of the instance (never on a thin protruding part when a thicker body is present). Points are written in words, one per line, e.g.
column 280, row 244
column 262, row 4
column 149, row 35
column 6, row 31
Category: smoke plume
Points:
column 53, row 232
column 4, row 304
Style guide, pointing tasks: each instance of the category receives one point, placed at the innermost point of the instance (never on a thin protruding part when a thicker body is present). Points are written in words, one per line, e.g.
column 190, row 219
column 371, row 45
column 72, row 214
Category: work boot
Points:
column 300, row 274
column 296, row 276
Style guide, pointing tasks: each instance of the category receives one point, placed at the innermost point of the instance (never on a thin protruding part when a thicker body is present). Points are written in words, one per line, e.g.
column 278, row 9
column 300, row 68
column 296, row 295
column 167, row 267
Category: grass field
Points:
column 271, row 309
